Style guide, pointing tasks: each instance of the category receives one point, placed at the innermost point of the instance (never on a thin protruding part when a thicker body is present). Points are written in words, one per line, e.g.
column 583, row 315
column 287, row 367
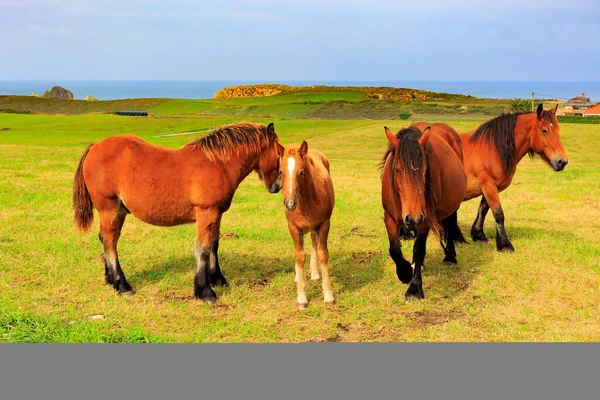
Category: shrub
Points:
column 404, row 115
column 520, row 105
column 576, row 119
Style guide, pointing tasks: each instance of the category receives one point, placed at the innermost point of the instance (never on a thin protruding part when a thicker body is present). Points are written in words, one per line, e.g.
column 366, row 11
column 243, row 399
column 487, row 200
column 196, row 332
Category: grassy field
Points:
column 52, row 279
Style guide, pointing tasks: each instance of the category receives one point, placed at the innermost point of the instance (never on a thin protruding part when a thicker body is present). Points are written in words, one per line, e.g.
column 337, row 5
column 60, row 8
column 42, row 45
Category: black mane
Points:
column 500, row 132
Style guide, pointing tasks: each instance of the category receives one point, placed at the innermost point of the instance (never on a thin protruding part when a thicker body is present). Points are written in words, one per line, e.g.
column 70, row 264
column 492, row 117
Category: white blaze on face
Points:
column 291, row 166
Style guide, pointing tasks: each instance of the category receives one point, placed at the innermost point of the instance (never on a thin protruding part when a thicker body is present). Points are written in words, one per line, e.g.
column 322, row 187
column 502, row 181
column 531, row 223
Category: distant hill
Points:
column 285, row 102
column 370, row 92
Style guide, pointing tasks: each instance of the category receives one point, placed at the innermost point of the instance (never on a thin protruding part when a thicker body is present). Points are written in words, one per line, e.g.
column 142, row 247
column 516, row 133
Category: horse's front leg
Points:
column 205, row 225
column 300, row 260
column 477, row 229
column 215, row 276
column 403, row 268
column 415, row 287
column 490, row 191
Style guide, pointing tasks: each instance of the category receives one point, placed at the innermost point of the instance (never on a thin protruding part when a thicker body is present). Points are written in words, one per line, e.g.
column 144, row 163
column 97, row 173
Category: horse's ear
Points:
column 540, row 111
column 425, row 136
column 391, row 137
column 303, row 149
column 280, row 148
column 271, row 129
column 553, row 111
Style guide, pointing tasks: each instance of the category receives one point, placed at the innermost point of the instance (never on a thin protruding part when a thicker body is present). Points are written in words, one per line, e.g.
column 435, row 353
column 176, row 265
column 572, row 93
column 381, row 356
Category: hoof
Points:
column 479, row 236
column 404, row 271
column 302, row 306
column 507, row 248
column 330, row 303
column 128, row 293
column 206, row 295
column 210, row 300
column 450, row 262
column 219, row 281
column 315, row 278
column 414, row 293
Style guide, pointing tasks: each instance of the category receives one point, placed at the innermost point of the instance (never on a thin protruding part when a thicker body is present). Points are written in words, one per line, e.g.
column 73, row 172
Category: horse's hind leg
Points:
column 111, row 223
column 451, row 235
column 477, row 229
column 490, row 191
column 323, row 253
column 415, row 287
column 314, row 264
column 215, row 276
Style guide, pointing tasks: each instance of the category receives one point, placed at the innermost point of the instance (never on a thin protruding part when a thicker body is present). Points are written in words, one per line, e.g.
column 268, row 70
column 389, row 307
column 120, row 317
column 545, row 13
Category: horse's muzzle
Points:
column 413, row 224
column 559, row 164
column 290, row 204
column 275, row 187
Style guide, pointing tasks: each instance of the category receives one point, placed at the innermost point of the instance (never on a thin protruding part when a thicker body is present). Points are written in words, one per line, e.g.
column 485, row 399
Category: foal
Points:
column 308, row 200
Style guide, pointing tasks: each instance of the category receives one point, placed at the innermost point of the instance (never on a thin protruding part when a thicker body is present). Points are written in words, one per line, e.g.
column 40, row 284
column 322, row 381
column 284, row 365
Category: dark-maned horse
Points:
column 125, row 175
column 492, row 152
column 308, row 199
column 423, row 184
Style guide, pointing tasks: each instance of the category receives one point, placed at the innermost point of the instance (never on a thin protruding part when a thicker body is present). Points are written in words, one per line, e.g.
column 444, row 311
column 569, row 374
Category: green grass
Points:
column 52, row 279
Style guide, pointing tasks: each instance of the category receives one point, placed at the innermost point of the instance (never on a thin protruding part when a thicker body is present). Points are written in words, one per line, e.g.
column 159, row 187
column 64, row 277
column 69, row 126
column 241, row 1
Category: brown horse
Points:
column 125, row 175
column 423, row 184
column 308, row 200
column 492, row 152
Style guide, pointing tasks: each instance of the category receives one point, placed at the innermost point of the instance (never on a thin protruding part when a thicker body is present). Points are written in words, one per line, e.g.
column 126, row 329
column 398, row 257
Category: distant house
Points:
column 593, row 111
column 577, row 105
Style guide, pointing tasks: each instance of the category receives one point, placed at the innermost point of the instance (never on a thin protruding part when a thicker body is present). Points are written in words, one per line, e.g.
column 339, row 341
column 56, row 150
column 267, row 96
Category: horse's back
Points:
column 318, row 159
column 446, row 134
column 320, row 166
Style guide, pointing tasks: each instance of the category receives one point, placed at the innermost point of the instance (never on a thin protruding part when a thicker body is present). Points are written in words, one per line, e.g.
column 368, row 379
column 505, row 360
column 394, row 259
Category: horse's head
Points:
column 544, row 138
column 409, row 172
column 292, row 172
column 268, row 162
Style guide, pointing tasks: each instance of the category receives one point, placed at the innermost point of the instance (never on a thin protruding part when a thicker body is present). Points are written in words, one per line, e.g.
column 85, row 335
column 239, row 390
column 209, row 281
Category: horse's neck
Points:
column 522, row 131
column 237, row 167
column 241, row 165
column 308, row 189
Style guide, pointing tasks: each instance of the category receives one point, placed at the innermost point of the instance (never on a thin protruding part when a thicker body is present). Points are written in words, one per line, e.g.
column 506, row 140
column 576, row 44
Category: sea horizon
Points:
column 205, row 89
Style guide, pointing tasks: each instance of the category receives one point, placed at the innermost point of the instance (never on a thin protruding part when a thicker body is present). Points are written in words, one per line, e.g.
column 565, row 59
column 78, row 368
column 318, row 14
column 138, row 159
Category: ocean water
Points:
column 110, row 90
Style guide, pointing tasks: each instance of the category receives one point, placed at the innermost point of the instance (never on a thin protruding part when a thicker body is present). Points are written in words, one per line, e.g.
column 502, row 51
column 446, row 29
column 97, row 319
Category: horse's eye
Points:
column 280, row 172
column 544, row 131
column 398, row 171
column 302, row 173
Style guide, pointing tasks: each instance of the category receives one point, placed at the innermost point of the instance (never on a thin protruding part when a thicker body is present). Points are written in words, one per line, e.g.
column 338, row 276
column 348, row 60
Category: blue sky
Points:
column 270, row 40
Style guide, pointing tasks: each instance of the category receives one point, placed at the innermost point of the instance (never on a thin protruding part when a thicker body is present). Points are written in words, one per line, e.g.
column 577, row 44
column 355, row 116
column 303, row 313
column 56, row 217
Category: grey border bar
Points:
column 303, row 371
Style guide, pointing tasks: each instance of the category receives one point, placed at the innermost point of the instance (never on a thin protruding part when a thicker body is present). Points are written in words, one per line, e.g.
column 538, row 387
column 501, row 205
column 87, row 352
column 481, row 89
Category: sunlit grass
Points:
column 52, row 279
